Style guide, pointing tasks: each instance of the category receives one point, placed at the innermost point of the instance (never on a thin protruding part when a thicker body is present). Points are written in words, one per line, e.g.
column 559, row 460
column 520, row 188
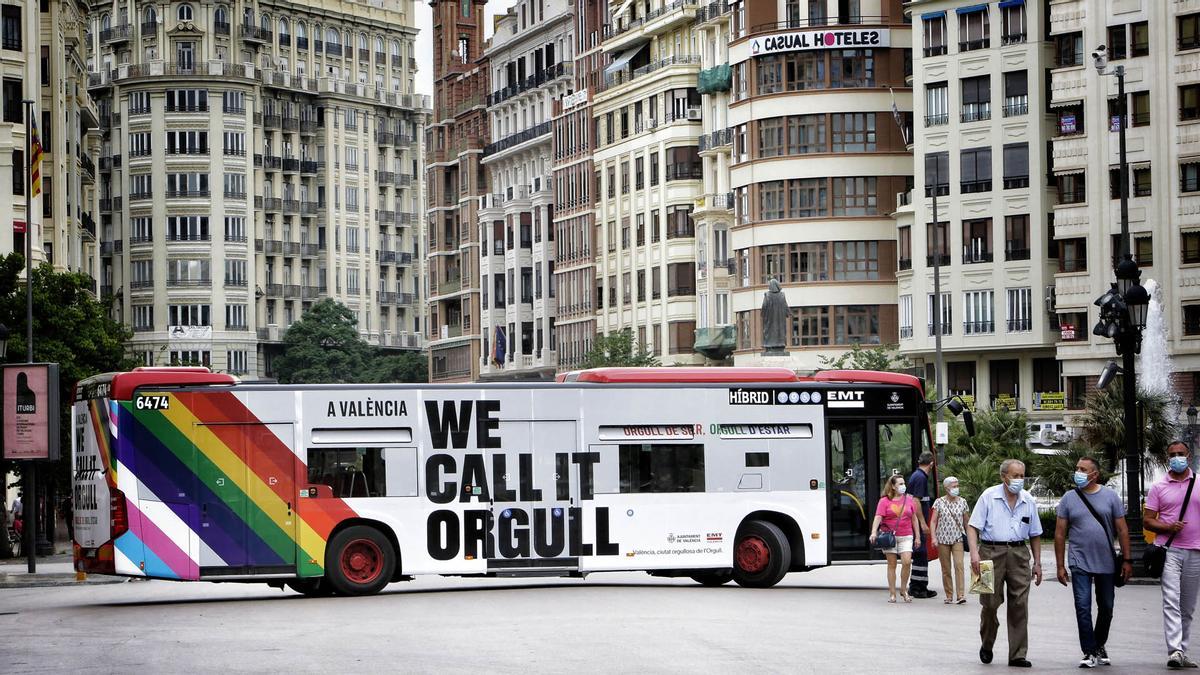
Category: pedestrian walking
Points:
column 1173, row 512
column 949, row 526
column 918, row 487
column 1089, row 518
column 1005, row 529
column 897, row 512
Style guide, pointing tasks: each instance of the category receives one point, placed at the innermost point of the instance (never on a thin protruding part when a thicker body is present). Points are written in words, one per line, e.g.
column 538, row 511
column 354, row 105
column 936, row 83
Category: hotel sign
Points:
column 821, row 39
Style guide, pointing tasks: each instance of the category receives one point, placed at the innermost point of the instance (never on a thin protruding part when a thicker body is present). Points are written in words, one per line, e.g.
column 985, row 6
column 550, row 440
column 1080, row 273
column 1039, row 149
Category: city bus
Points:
column 718, row 474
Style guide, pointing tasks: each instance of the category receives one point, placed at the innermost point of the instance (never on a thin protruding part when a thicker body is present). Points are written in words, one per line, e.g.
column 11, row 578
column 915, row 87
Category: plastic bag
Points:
column 985, row 581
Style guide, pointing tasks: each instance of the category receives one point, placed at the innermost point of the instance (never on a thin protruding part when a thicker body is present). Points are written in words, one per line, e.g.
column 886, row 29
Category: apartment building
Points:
column 457, row 181
column 817, row 160
column 42, row 59
column 716, row 336
column 1158, row 45
column 531, row 62
column 574, row 185
column 648, row 115
column 256, row 158
column 979, row 143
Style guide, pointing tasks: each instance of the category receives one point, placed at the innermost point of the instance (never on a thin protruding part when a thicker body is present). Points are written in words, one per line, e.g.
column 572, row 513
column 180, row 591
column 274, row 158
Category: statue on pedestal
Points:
column 775, row 315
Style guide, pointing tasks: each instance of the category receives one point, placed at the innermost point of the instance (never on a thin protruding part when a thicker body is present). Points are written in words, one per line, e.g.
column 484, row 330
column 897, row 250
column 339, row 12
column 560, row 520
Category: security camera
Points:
column 1100, row 58
column 1111, row 370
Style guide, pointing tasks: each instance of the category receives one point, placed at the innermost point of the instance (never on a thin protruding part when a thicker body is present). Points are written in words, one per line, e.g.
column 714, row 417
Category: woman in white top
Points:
column 949, row 526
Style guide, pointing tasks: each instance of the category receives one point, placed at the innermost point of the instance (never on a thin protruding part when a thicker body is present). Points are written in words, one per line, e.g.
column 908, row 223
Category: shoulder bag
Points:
column 885, row 539
column 1118, row 558
column 1156, row 556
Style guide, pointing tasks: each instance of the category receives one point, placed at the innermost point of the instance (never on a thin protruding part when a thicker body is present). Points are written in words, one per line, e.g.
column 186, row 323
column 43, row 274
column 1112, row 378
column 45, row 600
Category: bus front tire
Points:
column 312, row 587
column 712, row 579
column 359, row 561
column 761, row 556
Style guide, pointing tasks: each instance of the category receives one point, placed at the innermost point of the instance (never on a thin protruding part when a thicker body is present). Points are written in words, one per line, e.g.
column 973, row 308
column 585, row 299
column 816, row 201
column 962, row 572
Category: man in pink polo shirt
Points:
column 1181, row 571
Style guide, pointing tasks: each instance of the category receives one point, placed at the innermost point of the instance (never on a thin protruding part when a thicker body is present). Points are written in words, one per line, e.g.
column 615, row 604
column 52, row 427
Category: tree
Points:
column 975, row 460
column 403, row 367
column 616, row 349
column 324, row 347
column 880, row 357
column 1102, row 426
column 71, row 328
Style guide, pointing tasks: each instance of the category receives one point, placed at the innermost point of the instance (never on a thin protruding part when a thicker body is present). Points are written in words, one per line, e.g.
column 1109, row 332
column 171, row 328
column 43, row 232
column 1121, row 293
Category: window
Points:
column 185, row 13
column 976, row 170
column 770, row 137
column 1141, row 181
column 1016, row 165
column 1013, row 23
column 807, row 198
column 187, row 228
column 973, row 30
column 233, row 101
column 771, row 263
column 1016, row 93
column 937, row 242
column 804, row 70
column 142, row 273
column 1139, row 39
column 937, row 173
column 14, row 110
column 808, row 262
column 1016, row 237
column 855, row 196
column 945, row 309
column 187, row 185
column 770, row 74
column 856, row 260
column 854, row 132
column 143, row 317
column 235, row 143
column 1072, row 255
column 1189, row 102
column 349, row 472
column 235, row 361
column 1068, row 50
column 141, row 229
column 235, row 228
column 1019, row 312
column 977, row 240
column 19, row 172
column 188, row 315
column 139, row 102
column 139, row 144
column 771, row 204
column 659, row 467
column 976, row 99
column 856, row 324
column 1143, row 249
column 187, row 142
column 187, row 100
column 810, row 326
column 935, row 35
column 978, row 314
column 1118, row 43
column 852, row 68
column 1188, row 30
column 906, row 316
column 1190, row 246
column 1191, row 319
column 937, row 104
column 10, row 27
column 1072, row 188
column 235, row 185
column 140, row 186
column 1070, row 120
column 806, row 134
column 235, row 273
column 1139, row 103
column 904, row 247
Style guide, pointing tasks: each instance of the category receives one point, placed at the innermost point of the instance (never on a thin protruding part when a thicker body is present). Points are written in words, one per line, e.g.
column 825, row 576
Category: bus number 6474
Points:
column 153, row 403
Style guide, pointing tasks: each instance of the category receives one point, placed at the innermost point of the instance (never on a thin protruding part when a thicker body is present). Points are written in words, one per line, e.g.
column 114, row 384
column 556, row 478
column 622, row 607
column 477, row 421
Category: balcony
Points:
column 937, row 120
column 942, row 260
column 384, row 177
column 309, row 208
column 517, row 139
column 906, row 332
column 1016, row 109
column 722, row 201
column 1013, row 39
column 532, row 82
column 975, row 113
column 974, row 186
column 189, row 283
column 712, row 11
column 309, row 250
column 291, row 206
column 221, row 27
column 291, row 164
column 272, row 121
column 904, row 264
column 974, row 257
column 385, row 138
column 185, row 194
column 717, row 139
column 251, row 33
column 385, row 297
column 1016, row 254
column 273, row 163
column 122, row 33
column 385, row 216
column 308, row 167
column 978, row 327
column 291, row 123
column 947, row 329
column 1020, row 325
column 308, row 126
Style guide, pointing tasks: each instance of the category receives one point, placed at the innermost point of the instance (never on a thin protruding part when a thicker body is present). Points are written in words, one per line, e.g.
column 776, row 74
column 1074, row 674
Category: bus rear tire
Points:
column 713, row 578
column 312, row 587
column 761, row 556
column 359, row 561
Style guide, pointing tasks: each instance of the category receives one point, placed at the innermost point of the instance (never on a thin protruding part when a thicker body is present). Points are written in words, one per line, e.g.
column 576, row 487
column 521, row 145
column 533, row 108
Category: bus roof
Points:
column 122, row 385
column 901, row 379
column 686, row 375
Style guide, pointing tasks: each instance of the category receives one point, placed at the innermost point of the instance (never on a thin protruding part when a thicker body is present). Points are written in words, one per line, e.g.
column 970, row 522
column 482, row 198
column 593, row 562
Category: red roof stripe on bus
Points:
column 124, row 384
column 900, row 379
column 686, row 375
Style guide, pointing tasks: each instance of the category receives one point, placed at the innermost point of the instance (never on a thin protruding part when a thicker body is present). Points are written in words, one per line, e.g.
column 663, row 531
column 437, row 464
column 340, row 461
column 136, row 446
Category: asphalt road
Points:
column 831, row 620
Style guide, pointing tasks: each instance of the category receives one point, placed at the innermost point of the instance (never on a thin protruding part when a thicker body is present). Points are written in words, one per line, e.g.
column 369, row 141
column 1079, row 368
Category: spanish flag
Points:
column 35, row 161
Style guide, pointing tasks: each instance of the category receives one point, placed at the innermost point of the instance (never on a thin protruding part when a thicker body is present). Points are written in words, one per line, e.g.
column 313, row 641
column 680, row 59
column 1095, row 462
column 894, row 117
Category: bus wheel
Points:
column 359, row 561
column 313, row 587
column 718, row 578
column 761, row 556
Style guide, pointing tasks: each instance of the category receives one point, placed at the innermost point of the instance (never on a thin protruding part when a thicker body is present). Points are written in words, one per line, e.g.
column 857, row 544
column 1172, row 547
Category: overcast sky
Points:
column 425, row 44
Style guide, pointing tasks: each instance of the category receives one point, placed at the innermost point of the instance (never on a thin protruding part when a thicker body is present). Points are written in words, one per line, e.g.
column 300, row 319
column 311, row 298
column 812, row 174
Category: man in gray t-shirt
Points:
column 1090, row 555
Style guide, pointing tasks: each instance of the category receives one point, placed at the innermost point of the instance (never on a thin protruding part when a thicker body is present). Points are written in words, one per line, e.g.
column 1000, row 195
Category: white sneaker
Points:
column 1188, row 662
column 1102, row 657
column 1089, row 661
column 1175, row 661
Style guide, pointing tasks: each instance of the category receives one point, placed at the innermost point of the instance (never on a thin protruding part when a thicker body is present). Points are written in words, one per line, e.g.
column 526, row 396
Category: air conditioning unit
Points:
column 693, row 114
column 651, row 123
column 1051, row 300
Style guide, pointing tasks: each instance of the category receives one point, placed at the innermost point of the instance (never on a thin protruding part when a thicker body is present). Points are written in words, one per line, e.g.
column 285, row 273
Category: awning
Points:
column 933, row 15
column 620, row 9
column 971, row 9
column 1069, row 172
column 624, row 59
column 1011, row 3
column 1066, row 104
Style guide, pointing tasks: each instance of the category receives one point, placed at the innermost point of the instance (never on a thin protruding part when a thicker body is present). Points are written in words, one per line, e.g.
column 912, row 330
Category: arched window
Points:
column 283, row 27
column 149, row 15
column 301, row 31
column 333, row 37
column 265, row 23
column 362, row 41
column 105, row 21
column 379, row 45
column 221, row 15
column 248, row 17
column 395, row 50
column 184, row 13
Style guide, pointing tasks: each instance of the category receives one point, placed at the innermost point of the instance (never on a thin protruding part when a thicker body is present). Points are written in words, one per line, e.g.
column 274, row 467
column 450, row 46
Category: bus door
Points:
column 863, row 454
column 248, row 520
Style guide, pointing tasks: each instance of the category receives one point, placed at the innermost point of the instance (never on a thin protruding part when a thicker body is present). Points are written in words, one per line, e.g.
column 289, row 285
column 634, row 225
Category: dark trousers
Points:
column 1013, row 577
column 919, row 581
column 1092, row 637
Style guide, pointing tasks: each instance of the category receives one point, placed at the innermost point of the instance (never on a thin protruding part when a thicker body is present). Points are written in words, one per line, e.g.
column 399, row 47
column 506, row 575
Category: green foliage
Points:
column 616, row 350
column 324, row 347
column 70, row 328
column 1102, row 425
column 1049, row 518
column 879, row 357
column 975, row 460
column 1056, row 472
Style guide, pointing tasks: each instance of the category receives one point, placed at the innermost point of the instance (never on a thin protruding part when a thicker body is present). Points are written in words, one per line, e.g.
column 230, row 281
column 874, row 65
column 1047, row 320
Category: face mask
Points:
column 901, row 489
column 1178, row 464
column 1081, row 478
column 953, row 492
column 1015, row 485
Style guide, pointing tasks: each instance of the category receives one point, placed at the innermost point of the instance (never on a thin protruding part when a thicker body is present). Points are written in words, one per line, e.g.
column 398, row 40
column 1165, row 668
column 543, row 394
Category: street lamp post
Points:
column 1123, row 316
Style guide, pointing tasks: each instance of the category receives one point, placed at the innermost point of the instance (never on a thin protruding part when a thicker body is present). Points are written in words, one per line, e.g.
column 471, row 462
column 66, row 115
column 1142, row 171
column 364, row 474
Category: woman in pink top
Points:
column 897, row 512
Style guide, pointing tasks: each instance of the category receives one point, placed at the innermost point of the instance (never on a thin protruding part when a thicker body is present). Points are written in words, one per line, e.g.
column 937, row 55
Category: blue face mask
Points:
column 1081, row 479
column 954, row 492
column 1178, row 464
column 1015, row 485
column 901, row 489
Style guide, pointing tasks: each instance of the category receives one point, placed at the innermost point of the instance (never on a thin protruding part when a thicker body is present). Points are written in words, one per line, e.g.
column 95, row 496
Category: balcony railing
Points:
column 947, row 328
column 1017, row 108
column 1013, row 39
column 1016, row 254
column 937, row 120
column 189, row 283
column 532, row 82
column 904, row 264
column 1016, row 182
column 977, row 113
column 517, row 138
column 974, row 257
column 943, row 260
column 906, row 332
column 973, row 186
column 977, row 327
column 255, row 33
column 1019, row 325
column 119, row 33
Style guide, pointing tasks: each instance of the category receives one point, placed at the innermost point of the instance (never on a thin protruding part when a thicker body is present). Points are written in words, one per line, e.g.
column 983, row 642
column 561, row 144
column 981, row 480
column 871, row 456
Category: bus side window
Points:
column 659, row 467
column 349, row 472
